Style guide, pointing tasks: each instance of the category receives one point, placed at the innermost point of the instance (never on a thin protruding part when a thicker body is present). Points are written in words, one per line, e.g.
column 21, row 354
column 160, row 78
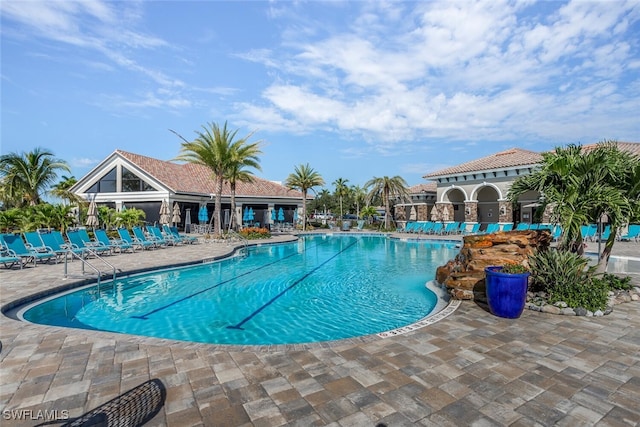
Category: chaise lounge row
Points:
column 51, row 246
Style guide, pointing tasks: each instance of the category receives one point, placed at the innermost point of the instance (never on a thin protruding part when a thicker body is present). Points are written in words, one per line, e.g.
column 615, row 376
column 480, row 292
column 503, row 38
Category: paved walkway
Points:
column 470, row 368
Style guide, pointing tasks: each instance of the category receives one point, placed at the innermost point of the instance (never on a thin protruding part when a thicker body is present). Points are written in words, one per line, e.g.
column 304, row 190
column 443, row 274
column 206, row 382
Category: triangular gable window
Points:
column 131, row 182
column 106, row 184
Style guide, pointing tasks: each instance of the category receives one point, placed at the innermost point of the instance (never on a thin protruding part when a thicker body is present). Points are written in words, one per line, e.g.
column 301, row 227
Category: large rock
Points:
column 464, row 275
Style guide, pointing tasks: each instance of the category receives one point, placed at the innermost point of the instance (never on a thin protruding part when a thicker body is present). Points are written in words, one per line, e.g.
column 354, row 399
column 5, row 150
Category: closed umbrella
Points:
column 280, row 214
column 176, row 214
column 92, row 215
column 295, row 216
column 245, row 215
column 412, row 214
column 251, row 215
column 273, row 214
column 165, row 212
column 203, row 215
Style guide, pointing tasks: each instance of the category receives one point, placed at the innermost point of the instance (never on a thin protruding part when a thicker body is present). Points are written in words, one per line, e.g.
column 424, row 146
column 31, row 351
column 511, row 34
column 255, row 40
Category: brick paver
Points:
column 470, row 368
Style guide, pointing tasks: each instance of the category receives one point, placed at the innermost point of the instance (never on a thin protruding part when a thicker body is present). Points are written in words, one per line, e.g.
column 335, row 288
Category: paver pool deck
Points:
column 471, row 368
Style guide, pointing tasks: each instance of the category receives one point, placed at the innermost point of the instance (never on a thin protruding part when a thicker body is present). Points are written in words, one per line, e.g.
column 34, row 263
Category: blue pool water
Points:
column 320, row 288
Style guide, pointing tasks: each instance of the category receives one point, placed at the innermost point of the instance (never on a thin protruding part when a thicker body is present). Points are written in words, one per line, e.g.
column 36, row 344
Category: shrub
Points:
column 514, row 268
column 615, row 283
column 566, row 277
column 255, row 233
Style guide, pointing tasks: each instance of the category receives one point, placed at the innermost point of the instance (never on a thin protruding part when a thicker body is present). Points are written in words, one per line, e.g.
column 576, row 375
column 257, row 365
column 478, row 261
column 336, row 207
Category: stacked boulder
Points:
column 464, row 275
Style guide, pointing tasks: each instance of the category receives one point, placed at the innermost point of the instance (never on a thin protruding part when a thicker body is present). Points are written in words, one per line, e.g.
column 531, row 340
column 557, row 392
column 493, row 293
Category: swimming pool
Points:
column 320, row 288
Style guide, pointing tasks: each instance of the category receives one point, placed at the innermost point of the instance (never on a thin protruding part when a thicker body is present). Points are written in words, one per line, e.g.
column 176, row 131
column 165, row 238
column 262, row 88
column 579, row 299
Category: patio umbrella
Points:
column 295, row 216
column 273, row 214
column 92, row 215
column 280, row 214
column 176, row 214
column 434, row 214
column 203, row 215
column 412, row 214
column 251, row 215
column 245, row 215
column 123, row 208
column 165, row 212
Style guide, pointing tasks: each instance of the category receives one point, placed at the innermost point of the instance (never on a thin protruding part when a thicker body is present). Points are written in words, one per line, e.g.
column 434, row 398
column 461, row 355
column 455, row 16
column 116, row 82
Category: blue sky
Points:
column 355, row 89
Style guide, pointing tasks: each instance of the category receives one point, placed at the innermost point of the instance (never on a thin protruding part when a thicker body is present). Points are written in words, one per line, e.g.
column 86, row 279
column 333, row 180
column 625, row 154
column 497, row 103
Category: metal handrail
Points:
column 243, row 240
column 86, row 262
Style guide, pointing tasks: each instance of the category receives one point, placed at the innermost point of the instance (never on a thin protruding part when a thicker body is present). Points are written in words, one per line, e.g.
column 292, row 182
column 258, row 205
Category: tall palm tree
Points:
column 581, row 186
column 24, row 177
column 341, row 191
column 213, row 149
column 359, row 197
column 304, row 179
column 386, row 188
column 243, row 155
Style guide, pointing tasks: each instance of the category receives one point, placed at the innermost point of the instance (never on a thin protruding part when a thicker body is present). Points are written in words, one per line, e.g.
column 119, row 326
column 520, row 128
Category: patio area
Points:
column 469, row 368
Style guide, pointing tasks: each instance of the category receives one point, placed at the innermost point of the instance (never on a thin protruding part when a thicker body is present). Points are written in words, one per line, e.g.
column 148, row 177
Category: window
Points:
column 130, row 182
column 107, row 183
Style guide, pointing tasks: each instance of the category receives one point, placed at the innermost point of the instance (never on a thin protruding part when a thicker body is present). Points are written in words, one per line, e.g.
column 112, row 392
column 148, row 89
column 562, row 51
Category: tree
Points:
column 24, row 177
column 61, row 190
column 583, row 185
column 304, row 179
column 213, row 148
column 341, row 191
column 243, row 155
column 359, row 197
column 385, row 188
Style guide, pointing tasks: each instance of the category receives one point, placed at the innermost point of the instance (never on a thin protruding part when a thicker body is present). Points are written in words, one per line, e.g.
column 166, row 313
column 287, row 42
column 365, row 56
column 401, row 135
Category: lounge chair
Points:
column 115, row 244
column 157, row 235
column 127, row 237
column 18, row 246
column 436, row 228
column 522, row 226
column 507, row 227
column 176, row 234
column 360, row 225
column 633, row 233
column 588, row 231
column 56, row 242
column 9, row 258
column 139, row 234
column 475, row 228
column 80, row 239
column 493, row 227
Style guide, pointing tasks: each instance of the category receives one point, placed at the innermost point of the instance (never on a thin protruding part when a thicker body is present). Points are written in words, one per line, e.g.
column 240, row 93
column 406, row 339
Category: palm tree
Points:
column 213, row 148
column 304, row 179
column 243, row 155
column 341, row 190
column 359, row 197
column 582, row 186
column 24, row 177
column 61, row 190
column 386, row 188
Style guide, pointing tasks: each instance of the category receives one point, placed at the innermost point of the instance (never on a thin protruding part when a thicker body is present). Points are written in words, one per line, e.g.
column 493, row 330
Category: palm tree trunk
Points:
column 232, row 216
column 218, row 206
column 304, row 210
column 387, row 210
column 603, row 258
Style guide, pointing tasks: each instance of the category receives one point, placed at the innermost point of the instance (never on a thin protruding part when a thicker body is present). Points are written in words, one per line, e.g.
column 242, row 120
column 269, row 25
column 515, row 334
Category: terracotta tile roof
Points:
column 191, row 178
column 427, row 186
column 630, row 147
column 504, row 159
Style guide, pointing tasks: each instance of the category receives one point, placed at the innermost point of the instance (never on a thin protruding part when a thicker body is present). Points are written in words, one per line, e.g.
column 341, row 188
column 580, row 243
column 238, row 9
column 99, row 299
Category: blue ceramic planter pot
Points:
column 506, row 292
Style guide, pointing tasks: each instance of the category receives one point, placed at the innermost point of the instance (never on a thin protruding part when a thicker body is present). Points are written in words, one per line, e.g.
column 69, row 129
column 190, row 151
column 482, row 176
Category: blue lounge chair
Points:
column 80, row 239
column 493, row 228
column 475, row 227
column 176, row 234
column 56, row 242
column 128, row 238
column 588, row 231
column 164, row 239
column 9, row 258
column 633, row 233
column 437, row 228
column 138, row 233
column 507, row 227
column 115, row 244
column 18, row 246
column 522, row 226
